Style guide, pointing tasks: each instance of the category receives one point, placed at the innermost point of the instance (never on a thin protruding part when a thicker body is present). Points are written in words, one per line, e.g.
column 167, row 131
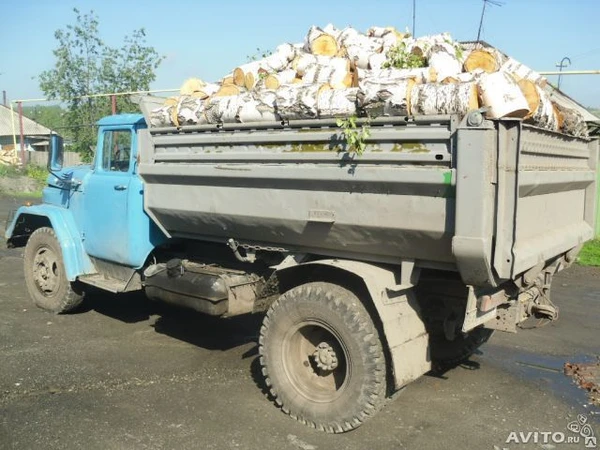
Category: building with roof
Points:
column 36, row 136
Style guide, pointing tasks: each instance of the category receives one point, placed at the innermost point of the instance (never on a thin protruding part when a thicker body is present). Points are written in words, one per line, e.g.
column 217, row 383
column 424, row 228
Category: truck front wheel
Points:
column 322, row 357
column 45, row 276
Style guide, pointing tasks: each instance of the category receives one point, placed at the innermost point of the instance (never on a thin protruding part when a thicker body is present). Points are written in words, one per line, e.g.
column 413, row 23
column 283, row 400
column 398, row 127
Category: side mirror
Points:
column 55, row 157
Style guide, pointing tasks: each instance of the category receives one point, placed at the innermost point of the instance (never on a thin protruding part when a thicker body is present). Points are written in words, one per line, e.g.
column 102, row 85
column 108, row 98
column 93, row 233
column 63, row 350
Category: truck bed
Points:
column 490, row 201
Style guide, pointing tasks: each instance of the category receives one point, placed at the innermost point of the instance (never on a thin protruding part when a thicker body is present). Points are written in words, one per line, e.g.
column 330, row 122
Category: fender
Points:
column 396, row 305
column 75, row 259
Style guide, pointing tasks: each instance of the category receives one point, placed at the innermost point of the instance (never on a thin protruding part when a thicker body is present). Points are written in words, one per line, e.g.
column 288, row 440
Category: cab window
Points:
column 116, row 151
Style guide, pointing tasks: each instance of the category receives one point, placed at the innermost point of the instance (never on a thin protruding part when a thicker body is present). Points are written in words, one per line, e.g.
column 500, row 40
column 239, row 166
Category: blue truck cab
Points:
column 94, row 212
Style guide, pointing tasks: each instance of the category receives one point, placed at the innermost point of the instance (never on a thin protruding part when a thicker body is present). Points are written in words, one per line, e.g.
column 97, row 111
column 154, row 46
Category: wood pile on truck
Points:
column 341, row 73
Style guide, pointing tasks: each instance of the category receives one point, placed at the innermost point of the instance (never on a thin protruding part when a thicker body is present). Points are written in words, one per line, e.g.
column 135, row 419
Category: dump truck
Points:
column 370, row 268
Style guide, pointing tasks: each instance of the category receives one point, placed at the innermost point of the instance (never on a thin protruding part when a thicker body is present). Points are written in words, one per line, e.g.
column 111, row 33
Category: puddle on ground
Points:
column 545, row 370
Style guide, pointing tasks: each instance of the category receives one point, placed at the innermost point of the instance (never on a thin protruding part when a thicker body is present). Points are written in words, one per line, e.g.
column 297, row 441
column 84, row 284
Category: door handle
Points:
column 120, row 187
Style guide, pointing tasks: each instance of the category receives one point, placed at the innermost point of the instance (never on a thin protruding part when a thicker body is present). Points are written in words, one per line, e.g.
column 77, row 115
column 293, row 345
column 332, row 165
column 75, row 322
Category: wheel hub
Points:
column 325, row 357
column 45, row 271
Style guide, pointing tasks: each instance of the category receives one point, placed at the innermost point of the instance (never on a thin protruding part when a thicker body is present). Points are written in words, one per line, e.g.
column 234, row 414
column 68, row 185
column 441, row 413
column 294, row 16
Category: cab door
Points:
column 106, row 196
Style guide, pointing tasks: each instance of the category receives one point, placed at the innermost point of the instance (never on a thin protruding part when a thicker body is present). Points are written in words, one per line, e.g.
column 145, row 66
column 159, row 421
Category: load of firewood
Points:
column 383, row 72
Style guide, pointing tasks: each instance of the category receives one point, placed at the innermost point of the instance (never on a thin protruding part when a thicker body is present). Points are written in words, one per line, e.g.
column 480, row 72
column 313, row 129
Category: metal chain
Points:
column 263, row 248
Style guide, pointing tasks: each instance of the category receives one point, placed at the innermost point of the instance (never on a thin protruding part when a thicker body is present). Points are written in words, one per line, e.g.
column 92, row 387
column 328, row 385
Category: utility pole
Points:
column 414, row 16
column 560, row 66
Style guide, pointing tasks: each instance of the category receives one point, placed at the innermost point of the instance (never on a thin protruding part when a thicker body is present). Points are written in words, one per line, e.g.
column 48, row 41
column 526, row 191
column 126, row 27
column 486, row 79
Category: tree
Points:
column 85, row 66
column 50, row 116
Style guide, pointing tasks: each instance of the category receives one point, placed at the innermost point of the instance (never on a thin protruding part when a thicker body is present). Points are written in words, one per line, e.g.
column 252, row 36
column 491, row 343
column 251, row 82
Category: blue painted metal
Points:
column 117, row 229
column 92, row 218
column 75, row 259
column 119, row 120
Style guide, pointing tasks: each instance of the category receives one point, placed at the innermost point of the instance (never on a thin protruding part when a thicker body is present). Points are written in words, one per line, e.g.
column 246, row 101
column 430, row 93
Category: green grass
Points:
column 37, row 173
column 590, row 254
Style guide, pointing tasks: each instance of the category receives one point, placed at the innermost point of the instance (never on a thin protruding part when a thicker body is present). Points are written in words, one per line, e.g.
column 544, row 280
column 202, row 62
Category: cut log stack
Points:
column 383, row 72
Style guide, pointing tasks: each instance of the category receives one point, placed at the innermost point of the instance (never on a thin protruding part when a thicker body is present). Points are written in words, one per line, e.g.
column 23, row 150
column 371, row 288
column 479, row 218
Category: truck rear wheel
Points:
column 322, row 357
column 45, row 276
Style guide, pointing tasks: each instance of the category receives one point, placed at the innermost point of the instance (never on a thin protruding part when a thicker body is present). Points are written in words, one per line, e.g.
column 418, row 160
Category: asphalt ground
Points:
column 126, row 373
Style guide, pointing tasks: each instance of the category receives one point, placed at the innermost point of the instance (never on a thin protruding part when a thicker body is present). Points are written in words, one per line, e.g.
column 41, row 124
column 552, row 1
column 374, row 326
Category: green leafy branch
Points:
column 399, row 57
column 260, row 54
column 355, row 137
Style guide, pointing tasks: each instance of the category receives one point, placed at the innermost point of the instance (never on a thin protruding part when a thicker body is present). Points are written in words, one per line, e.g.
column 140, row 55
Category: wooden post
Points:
column 113, row 100
column 22, row 134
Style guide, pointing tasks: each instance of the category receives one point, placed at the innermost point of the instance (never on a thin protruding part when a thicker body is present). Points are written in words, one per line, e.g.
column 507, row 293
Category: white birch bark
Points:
column 298, row 101
column 376, row 60
column 275, row 80
column 390, row 97
column 424, row 45
column 521, row 71
column 337, row 102
column 333, row 76
column 501, row 94
column 305, row 60
column 443, row 61
column 161, row 117
column 319, row 42
column 190, row 110
column 544, row 115
column 571, row 122
column 420, row 74
column 435, row 98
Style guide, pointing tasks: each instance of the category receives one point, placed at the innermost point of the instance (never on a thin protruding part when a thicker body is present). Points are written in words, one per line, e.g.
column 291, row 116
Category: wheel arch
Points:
column 27, row 219
column 397, row 317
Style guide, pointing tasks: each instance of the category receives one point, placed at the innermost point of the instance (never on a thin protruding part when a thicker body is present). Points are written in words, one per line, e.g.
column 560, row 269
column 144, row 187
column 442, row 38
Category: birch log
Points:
column 521, row 71
column 225, row 109
column 239, row 73
column 332, row 31
column 443, row 62
column 333, row 76
column 190, row 111
column 337, row 102
column 227, row 90
column 318, row 42
column 379, row 97
column 275, row 80
column 305, row 60
column 420, row 74
column 298, row 101
column 376, row 61
column 571, row 122
column 435, row 98
column 280, row 58
column 487, row 59
column 501, row 94
column 532, row 95
column 227, row 80
column 206, row 91
column 424, row 45
column 191, row 85
column 544, row 115
column 160, row 117
column 465, row 77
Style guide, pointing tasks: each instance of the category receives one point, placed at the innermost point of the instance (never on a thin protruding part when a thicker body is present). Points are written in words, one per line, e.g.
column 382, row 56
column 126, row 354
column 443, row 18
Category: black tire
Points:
column 445, row 353
column 45, row 276
column 322, row 357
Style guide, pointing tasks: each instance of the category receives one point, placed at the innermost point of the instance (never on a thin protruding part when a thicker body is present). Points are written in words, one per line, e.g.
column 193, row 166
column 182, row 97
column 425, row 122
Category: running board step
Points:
column 107, row 284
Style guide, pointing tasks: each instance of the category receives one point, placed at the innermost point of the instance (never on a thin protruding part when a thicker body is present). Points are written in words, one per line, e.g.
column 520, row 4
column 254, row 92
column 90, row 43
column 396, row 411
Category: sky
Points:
column 207, row 39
